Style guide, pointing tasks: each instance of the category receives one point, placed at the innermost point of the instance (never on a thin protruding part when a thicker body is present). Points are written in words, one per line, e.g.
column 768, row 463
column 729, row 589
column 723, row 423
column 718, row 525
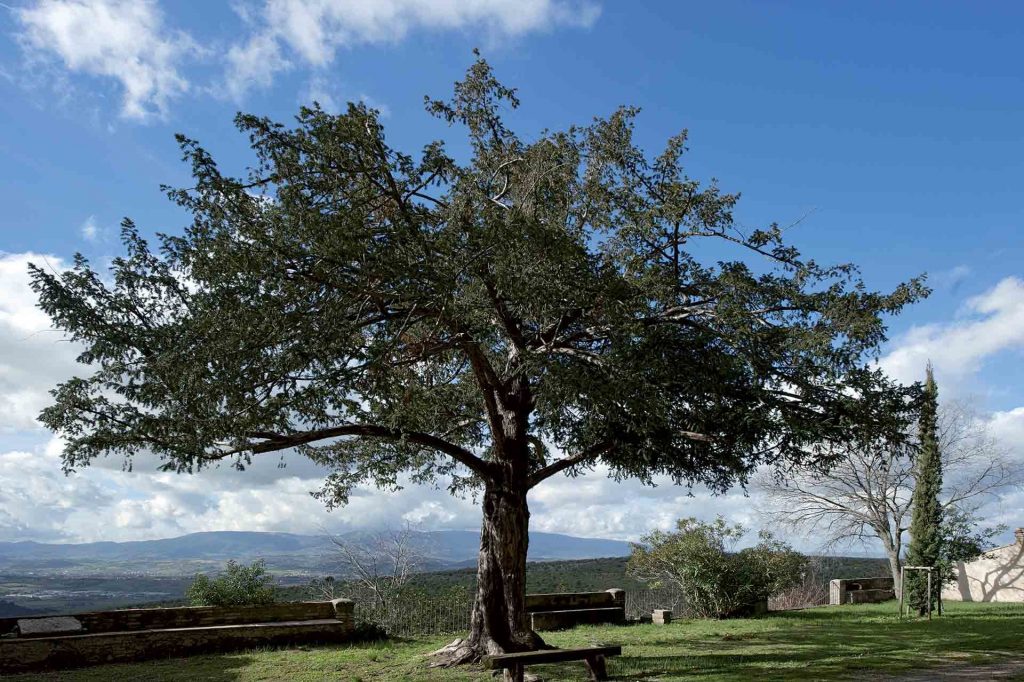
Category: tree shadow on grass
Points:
column 830, row 644
column 208, row 668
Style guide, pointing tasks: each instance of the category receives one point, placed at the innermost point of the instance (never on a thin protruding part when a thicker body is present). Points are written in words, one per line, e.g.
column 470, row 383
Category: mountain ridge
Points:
column 440, row 549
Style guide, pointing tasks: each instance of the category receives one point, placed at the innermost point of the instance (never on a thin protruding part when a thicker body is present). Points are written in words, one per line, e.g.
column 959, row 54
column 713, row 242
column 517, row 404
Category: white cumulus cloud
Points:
column 595, row 505
column 125, row 40
column 988, row 324
column 33, row 357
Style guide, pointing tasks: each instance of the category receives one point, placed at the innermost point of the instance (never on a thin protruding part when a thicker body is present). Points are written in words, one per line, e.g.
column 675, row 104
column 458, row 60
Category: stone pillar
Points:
column 661, row 617
column 837, row 592
column 344, row 610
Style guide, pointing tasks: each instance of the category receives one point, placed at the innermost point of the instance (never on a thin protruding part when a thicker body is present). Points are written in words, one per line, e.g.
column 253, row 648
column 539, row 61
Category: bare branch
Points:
column 273, row 442
column 587, row 455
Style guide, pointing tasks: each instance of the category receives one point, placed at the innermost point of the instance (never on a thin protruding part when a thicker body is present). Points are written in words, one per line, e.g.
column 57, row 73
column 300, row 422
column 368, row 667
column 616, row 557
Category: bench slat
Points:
column 558, row 620
column 548, row 656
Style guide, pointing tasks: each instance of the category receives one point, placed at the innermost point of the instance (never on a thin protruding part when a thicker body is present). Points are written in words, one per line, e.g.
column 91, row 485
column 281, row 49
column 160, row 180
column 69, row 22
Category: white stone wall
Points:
column 996, row 576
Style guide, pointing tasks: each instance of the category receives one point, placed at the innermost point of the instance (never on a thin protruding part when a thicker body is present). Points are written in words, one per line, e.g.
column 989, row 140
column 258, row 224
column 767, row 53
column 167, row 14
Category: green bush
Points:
column 716, row 582
column 238, row 585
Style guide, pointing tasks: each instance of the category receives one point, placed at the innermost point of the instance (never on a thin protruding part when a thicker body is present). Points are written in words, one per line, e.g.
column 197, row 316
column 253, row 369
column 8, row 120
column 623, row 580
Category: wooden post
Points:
column 596, row 667
column 929, row 595
column 514, row 673
column 903, row 585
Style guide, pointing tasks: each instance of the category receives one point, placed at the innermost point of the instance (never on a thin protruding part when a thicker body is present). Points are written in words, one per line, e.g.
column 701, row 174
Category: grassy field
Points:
column 851, row 642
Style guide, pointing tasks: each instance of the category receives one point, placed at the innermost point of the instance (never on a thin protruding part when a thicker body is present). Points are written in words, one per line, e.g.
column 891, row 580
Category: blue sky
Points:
column 891, row 131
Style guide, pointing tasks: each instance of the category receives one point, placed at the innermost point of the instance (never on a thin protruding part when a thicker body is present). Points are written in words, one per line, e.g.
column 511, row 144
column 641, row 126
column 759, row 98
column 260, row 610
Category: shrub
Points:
column 238, row 585
column 699, row 559
column 812, row 590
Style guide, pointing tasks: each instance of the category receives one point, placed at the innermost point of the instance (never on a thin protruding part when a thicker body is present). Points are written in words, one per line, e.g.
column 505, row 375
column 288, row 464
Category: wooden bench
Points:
column 514, row 664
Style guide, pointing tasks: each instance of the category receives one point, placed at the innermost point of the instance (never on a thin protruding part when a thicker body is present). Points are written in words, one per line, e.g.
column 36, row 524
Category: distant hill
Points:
column 9, row 609
column 282, row 551
column 212, row 545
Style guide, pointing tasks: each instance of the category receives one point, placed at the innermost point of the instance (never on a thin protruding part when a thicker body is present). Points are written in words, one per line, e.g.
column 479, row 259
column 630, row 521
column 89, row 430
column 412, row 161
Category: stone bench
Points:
column 41, row 643
column 514, row 664
column 557, row 611
column 861, row 590
column 869, row 596
column 560, row 620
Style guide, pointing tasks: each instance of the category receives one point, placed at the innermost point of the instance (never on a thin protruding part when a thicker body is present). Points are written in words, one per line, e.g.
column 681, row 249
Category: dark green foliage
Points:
column 926, row 525
column 698, row 559
column 238, row 585
column 545, row 305
column 581, row 575
column 382, row 311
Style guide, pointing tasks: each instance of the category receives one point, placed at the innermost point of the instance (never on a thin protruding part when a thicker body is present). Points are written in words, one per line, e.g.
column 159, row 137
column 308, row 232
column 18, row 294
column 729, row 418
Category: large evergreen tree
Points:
column 926, row 526
column 537, row 308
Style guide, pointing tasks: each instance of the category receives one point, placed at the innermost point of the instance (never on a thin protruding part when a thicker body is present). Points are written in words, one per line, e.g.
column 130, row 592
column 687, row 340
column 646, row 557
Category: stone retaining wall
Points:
column 138, row 634
column 188, row 616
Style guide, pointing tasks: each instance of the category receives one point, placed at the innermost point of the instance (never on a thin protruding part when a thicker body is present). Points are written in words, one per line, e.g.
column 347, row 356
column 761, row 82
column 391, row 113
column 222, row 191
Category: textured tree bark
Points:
column 894, row 567
column 892, row 553
column 500, row 623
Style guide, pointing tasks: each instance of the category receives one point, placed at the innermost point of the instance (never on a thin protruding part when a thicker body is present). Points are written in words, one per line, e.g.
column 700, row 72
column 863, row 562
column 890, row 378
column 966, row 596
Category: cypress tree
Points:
column 926, row 523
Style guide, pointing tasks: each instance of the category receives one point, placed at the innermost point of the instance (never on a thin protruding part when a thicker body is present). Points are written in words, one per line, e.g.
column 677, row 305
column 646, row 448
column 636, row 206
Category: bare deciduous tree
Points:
column 381, row 564
column 866, row 497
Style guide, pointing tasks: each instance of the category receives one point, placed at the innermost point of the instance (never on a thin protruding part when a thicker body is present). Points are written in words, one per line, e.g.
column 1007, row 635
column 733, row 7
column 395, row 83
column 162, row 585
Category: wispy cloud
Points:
column 950, row 280
column 89, row 229
column 125, row 40
column 312, row 31
column 129, row 41
column 330, row 98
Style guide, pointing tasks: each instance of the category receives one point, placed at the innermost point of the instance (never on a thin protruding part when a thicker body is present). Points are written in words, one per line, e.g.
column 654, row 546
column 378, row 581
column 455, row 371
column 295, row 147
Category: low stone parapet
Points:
column 187, row 616
column 138, row 634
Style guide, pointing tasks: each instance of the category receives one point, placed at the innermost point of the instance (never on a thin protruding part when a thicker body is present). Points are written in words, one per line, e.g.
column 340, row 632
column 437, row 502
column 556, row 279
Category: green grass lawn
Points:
column 846, row 642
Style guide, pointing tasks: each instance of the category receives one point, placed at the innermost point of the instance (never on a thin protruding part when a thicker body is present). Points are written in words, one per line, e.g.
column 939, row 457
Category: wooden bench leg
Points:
column 596, row 668
column 515, row 673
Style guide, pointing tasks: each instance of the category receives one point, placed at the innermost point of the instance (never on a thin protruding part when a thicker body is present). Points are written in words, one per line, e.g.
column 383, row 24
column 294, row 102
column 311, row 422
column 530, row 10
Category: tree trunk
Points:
column 894, row 567
column 893, row 546
column 500, row 623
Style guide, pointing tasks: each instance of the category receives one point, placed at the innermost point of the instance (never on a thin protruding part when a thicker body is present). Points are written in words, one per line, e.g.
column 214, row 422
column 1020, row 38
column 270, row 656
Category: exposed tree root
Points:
column 458, row 652
column 464, row 651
